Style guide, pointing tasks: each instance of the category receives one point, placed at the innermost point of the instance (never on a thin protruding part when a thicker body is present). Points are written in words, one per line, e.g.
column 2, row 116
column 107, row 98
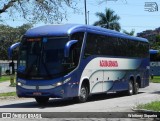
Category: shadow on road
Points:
column 63, row 102
column 99, row 97
column 156, row 92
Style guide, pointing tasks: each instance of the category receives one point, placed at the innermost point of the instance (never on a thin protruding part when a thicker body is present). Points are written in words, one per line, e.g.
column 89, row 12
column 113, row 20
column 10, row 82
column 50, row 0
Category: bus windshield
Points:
column 40, row 57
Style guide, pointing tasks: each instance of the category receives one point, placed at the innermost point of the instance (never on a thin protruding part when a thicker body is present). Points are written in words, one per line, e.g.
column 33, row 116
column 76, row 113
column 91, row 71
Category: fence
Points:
column 4, row 65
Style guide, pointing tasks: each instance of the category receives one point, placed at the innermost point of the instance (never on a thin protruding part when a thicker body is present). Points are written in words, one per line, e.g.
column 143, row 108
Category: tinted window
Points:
column 76, row 49
column 114, row 46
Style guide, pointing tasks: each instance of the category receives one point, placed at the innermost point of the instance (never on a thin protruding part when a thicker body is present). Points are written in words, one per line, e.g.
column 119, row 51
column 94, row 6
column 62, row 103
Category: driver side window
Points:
column 76, row 49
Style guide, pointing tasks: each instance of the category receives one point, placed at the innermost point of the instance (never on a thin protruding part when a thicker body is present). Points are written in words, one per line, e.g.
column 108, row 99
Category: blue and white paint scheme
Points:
column 61, row 73
column 102, row 78
column 154, row 63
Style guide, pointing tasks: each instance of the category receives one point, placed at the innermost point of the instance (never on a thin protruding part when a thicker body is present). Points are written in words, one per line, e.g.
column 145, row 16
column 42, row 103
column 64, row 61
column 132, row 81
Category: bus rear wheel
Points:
column 136, row 88
column 42, row 100
column 83, row 94
column 130, row 88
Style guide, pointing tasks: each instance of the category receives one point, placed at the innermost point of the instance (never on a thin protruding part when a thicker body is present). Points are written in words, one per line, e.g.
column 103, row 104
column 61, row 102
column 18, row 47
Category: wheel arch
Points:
column 138, row 80
column 85, row 81
column 131, row 78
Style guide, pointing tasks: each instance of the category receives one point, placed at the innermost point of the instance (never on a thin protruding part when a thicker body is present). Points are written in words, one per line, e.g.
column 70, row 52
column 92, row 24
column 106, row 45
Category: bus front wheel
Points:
column 83, row 94
column 42, row 100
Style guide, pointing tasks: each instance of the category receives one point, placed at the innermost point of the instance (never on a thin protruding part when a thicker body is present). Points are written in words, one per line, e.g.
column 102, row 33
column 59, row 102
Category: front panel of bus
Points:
column 43, row 70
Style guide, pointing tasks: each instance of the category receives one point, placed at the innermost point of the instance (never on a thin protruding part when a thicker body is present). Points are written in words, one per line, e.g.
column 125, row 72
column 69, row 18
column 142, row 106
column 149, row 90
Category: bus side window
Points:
column 91, row 45
column 87, row 50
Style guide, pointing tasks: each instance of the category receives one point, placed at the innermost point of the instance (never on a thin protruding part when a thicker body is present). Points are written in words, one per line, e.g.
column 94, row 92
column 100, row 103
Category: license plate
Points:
column 37, row 93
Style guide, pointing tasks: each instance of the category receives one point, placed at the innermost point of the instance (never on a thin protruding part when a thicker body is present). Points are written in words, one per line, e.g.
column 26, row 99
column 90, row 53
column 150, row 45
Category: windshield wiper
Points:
column 29, row 70
column 47, row 71
column 42, row 58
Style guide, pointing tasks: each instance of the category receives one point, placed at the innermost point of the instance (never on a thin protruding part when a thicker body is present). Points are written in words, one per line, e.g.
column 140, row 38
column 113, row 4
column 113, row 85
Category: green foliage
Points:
column 10, row 35
column 131, row 33
column 155, row 42
column 154, row 106
column 7, row 94
column 51, row 11
column 108, row 20
column 4, row 78
column 156, row 79
column 158, row 38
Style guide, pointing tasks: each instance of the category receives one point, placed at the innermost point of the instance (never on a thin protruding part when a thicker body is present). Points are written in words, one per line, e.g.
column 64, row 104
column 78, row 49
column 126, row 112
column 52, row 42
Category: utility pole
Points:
column 88, row 17
column 85, row 7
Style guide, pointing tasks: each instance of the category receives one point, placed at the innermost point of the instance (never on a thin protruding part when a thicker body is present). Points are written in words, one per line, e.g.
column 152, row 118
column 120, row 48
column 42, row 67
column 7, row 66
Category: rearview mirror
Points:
column 11, row 48
column 68, row 46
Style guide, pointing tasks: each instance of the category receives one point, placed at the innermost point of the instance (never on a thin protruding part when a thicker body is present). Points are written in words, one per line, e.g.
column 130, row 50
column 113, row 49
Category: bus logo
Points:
column 151, row 6
column 108, row 63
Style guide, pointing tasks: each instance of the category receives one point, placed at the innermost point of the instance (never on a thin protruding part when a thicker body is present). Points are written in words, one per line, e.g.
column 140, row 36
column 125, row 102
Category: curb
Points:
column 8, row 97
column 157, row 113
column 144, row 110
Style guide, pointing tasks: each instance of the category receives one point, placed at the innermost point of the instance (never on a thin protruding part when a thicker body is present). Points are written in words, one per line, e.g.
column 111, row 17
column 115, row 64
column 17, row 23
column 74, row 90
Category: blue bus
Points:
column 154, row 63
column 75, row 61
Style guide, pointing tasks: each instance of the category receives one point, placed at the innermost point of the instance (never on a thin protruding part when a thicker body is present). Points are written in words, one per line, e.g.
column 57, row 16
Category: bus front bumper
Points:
column 40, row 91
column 60, row 91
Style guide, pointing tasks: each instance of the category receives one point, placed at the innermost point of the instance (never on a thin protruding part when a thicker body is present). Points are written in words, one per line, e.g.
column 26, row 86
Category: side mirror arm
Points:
column 11, row 48
column 68, row 46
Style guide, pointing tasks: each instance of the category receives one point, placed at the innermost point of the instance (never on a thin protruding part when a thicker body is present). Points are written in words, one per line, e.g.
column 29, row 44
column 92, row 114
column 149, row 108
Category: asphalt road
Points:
column 96, row 103
column 4, row 87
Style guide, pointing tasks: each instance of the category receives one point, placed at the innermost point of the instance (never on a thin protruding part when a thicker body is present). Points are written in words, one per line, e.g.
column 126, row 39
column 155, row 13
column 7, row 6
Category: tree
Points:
column 108, row 20
column 155, row 42
column 51, row 11
column 158, row 38
column 131, row 33
column 10, row 35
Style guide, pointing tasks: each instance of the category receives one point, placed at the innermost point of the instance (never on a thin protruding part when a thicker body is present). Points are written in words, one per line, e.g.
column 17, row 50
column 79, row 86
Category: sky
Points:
column 133, row 14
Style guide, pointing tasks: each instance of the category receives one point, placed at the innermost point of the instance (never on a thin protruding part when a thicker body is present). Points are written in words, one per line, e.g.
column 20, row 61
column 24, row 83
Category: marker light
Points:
column 66, row 80
column 34, row 39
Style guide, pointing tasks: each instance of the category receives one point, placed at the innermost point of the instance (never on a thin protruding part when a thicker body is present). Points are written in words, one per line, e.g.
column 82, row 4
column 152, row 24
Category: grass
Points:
column 4, row 78
column 154, row 106
column 7, row 94
column 156, row 79
column 13, row 85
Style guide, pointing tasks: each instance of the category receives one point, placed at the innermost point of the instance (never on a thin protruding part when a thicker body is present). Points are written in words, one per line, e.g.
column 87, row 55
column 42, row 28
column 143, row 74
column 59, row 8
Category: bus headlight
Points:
column 21, row 81
column 19, row 84
column 59, row 84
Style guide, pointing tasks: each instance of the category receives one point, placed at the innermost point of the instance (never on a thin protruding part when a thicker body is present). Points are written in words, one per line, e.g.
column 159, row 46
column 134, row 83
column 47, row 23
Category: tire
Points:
column 130, row 88
column 83, row 94
column 42, row 100
column 136, row 88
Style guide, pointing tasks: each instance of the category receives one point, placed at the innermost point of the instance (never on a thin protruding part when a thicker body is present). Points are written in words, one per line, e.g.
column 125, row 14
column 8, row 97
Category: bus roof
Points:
column 67, row 29
column 151, row 51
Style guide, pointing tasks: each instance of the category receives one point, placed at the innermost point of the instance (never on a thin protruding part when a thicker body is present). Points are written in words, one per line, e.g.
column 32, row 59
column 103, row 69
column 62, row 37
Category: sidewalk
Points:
column 4, row 87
